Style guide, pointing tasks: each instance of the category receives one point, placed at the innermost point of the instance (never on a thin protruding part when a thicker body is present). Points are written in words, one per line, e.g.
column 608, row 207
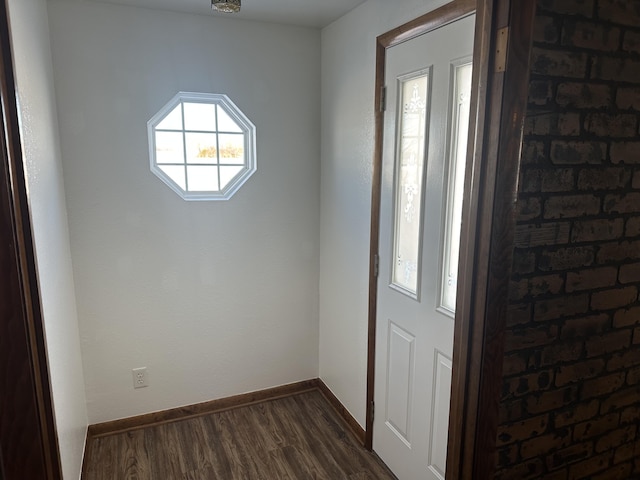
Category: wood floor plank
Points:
column 291, row 438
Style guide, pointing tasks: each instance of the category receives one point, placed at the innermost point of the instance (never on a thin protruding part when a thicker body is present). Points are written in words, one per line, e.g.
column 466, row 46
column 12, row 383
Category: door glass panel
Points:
column 457, row 158
column 409, row 176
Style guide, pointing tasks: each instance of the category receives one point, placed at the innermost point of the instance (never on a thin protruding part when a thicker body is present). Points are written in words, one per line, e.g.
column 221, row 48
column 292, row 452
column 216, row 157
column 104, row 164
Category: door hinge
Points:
column 376, row 265
column 383, row 99
column 502, row 44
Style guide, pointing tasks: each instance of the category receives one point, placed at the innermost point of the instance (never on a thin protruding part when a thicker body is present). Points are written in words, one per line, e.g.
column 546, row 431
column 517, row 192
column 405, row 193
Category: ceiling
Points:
column 309, row 13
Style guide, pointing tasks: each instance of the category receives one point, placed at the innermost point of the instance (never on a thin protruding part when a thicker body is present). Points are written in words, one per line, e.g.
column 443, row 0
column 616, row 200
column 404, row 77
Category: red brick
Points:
column 533, row 152
column 585, row 326
column 597, row 230
column 617, row 472
column 616, row 252
column 526, row 470
column 635, row 182
column 613, row 68
column 614, row 298
column 510, row 411
column 627, row 317
column 566, row 258
column 633, row 375
column 528, row 208
column 536, row 286
column 578, row 372
column 623, row 360
column 560, row 307
column 633, row 227
column 519, row 314
column 545, row 444
column 576, row 413
column 590, row 35
column 525, row 384
column 583, row 95
column 576, row 153
column 628, row 203
column 568, row 7
column 591, row 278
column 553, row 354
column 554, row 233
column 630, row 273
column 558, row 63
column 636, row 336
column 540, row 92
column 519, row 339
column 607, row 343
column 565, row 124
column 596, row 427
column 571, row 454
column 627, row 451
column 621, row 399
column 611, row 125
column 602, row 385
column 623, row 12
column 631, row 415
column 524, row 262
column 530, row 427
column 587, row 468
column 616, row 438
column 571, row 206
column 514, row 363
column 628, row 98
column 550, row 400
column 625, row 152
column 603, row 179
column 631, row 41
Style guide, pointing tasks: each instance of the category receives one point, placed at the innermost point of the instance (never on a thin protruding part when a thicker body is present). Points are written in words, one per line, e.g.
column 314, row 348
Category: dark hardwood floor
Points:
column 296, row 437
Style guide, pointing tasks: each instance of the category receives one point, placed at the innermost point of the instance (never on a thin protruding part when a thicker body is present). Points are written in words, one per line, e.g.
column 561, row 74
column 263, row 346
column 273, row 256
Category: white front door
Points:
column 425, row 137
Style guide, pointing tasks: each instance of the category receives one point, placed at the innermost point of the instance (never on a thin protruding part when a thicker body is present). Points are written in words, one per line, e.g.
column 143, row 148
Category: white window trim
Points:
column 236, row 114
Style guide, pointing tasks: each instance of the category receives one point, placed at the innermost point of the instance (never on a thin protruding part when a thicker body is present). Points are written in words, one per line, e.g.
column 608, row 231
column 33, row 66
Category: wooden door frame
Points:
column 28, row 437
column 498, row 105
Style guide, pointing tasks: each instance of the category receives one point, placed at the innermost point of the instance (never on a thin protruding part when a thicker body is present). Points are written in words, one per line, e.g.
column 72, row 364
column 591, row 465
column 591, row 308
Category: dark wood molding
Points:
column 340, row 409
column 204, row 408
column 487, row 238
column 439, row 17
column 28, row 438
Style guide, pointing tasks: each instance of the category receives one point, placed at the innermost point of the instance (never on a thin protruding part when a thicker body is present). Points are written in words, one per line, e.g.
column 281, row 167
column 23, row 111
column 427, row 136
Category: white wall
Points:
column 41, row 149
column 215, row 298
column 348, row 78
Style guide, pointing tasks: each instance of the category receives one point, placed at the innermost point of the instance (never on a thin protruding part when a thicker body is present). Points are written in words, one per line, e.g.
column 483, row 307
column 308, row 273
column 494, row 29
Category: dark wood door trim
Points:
column 495, row 137
column 28, row 438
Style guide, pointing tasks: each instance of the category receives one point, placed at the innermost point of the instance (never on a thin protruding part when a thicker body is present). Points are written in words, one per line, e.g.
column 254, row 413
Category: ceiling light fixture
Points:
column 226, row 6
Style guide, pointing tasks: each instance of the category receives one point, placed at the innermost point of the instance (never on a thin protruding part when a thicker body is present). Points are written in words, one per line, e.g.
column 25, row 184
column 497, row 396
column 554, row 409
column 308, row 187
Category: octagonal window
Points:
column 202, row 146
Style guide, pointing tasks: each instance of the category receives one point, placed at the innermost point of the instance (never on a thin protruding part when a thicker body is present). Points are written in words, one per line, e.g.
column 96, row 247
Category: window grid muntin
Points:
column 245, row 129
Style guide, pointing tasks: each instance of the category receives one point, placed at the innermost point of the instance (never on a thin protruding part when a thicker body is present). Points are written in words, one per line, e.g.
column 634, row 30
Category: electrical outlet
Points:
column 140, row 377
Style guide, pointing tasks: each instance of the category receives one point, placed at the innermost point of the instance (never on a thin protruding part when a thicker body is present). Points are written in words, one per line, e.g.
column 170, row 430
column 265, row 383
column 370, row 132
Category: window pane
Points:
column 169, row 147
column 175, row 173
column 200, row 116
column 226, row 123
column 173, row 121
column 231, row 148
column 201, row 148
column 202, row 178
column 409, row 182
column 458, row 155
column 227, row 174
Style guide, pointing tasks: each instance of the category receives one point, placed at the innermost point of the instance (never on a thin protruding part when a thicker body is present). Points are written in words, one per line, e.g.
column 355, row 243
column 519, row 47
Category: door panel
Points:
column 415, row 335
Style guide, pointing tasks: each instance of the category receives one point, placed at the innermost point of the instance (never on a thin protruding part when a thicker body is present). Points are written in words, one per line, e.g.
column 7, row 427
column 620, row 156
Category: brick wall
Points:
column 570, row 406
